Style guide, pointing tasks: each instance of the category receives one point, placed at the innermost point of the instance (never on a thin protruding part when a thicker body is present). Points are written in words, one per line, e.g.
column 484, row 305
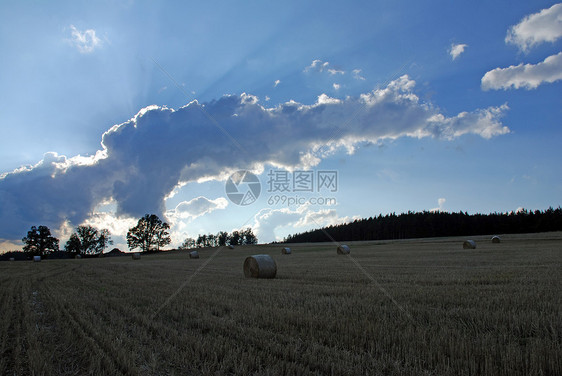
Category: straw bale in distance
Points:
column 194, row 254
column 136, row 256
column 469, row 244
column 343, row 249
column 260, row 266
column 230, row 246
column 286, row 251
column 12, row 259
column 496, row 239
column 36, row 258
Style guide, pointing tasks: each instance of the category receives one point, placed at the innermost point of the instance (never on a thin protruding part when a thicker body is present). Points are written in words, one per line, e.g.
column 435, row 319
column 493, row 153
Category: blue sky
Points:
column 417, row 106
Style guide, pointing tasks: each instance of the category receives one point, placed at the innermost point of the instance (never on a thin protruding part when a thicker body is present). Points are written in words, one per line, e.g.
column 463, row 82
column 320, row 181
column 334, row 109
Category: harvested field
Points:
column 410, row 307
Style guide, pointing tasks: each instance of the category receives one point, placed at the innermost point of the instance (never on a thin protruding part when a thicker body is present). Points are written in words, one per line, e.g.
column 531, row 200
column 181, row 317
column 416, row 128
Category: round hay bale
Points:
column 343, row 249
column 36, row 258
column 136, row 256
column 260, row 266
column 194, row 254
column 469, row 244
column 286, row 251
column 12, row 259
column 496, row 239
column 78, row 257
column 230, row 246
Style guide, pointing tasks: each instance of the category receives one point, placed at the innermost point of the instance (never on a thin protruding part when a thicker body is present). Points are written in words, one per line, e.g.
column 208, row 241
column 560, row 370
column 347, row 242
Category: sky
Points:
column 279, row 116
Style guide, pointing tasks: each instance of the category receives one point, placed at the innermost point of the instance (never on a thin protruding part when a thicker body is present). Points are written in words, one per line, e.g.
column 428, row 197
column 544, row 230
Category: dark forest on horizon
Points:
column 428, row 224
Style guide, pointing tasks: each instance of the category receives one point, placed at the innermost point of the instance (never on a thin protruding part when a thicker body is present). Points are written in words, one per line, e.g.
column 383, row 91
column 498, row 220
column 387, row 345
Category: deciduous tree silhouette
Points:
column 88, row 241
column 248, row 236
column 150, row 233
column 188, row 243
column 39, row 241
column 235, row 238
column 222, row 238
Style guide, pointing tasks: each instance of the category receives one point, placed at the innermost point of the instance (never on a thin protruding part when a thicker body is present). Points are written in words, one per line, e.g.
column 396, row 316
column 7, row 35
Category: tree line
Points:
column 435, row 224
column 149, row 235
column 222, row 238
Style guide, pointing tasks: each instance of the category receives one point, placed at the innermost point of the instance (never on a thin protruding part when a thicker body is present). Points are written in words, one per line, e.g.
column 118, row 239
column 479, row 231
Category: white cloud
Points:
column 85, row 41
column 115, row 225
column 269, row 223
column 518, row 210
column 8, row 246
column 357, row 75
column 528, row 76
column 118, row 226
column 484, row 123
column 197, row 207
column 145, row 158
column 456, row 50
column 324, row 99
column 333, row 71
column 320, row 218
column 336, row 86
column 544, row 26
column 317, row 65
column 440, row 203
column 277, row 82
column 322, row 66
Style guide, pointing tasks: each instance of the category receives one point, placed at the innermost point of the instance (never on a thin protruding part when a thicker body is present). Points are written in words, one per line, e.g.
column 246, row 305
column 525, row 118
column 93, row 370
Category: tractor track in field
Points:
column 39, row 275
column 88, row 334
column 15, row 344
column 58, row 271
column 237, row 331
